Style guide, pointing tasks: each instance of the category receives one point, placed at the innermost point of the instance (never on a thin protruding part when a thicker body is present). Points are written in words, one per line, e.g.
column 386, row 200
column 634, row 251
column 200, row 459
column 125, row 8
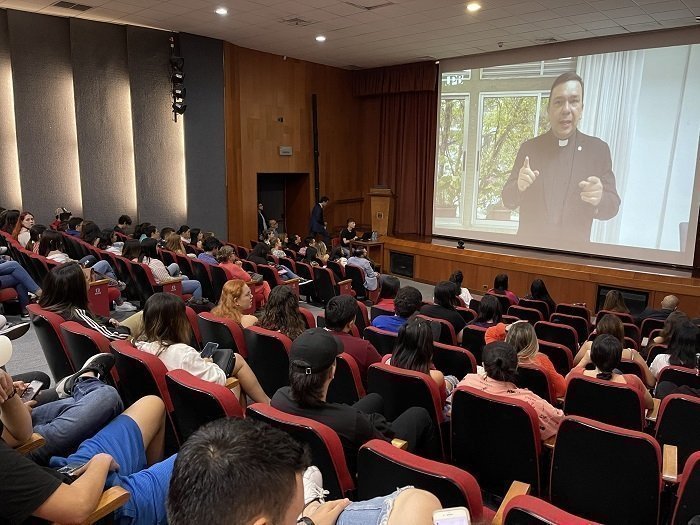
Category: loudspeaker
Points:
column 401, row 264
column 635, row 300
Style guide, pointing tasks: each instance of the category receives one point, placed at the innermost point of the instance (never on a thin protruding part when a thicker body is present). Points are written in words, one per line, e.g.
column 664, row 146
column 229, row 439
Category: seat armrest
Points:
column 549, row 442
column 669, row 469
column 99, row 282
column 231, row 382
column 517, row 488
column 400, row 443
column 34, row 442
column 292, row 281
column 111, row 500
column 344, row 282
column 171, row 280
column 654, row 412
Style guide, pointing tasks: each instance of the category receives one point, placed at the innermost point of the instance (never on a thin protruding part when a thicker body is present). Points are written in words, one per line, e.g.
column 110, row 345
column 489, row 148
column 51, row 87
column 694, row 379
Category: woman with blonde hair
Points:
column 236, row 298
column 322, row 253
column 521, row 335
column 615, row 302
column 173, row 242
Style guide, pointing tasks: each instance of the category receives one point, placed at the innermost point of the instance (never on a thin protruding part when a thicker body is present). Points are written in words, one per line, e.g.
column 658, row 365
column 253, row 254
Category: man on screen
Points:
column 563, row 179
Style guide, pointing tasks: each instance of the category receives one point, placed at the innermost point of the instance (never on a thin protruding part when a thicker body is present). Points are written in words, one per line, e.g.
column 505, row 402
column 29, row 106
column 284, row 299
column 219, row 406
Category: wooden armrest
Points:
column 292, row 281
column 34, row 442
column 99, row 282
column 560, row 400
column 172, row 280
column 400, row 443
column 669, row 469
column 549, row 442
column 517, row 488
column 231, row 382
column 346, row 281
column 111, row 500
column 654, row 412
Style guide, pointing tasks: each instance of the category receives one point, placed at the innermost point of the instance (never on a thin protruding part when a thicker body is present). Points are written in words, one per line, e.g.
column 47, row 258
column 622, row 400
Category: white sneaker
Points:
column 313, row 486
column 125, row 307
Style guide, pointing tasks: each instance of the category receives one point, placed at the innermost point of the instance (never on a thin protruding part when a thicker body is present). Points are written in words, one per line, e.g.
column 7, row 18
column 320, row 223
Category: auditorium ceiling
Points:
column 371, row 33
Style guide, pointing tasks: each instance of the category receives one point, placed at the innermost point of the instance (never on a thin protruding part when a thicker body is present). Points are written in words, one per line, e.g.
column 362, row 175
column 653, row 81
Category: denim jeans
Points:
column 174, row 269
column 192, row 286
column 100, row 266
column 12, row 275
column 68, row 422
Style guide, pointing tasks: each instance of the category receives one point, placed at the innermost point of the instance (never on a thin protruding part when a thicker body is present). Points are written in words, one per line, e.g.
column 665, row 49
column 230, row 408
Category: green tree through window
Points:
column 451, row 152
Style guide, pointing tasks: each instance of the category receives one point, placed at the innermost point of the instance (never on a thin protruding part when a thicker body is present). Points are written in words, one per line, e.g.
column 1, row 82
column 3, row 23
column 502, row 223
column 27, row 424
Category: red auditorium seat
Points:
column 531, row 315
column 688, row 502
column 346, row 386
column 383, row 340
column 541, row 306
column 678, row 424
column 453, row 360
column 48, row 330
column 558, row 333
column 268, row 357
column 529, row 510
column 442, row 327
column 534, row 378
column 226, row 332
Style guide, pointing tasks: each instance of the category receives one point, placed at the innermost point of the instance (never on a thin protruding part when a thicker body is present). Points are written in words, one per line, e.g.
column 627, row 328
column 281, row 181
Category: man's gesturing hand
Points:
column 591, row 190
column 526, row 176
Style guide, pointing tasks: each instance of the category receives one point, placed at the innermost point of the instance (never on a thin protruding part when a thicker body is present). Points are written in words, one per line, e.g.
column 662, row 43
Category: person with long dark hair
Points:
column 500, row 287
column 615, row 302
column 538, row 292
column 281, row 313
column 8, row 220
column 446, row 296
column 489, row 313
column 682, row 349
column 457, row 277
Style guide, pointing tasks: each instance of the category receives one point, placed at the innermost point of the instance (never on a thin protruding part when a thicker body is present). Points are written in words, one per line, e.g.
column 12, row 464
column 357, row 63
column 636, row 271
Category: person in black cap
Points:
column 311, row 370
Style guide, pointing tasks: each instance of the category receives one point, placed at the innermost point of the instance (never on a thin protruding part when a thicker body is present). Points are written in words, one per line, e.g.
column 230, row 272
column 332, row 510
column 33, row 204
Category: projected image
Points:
column 592, row 154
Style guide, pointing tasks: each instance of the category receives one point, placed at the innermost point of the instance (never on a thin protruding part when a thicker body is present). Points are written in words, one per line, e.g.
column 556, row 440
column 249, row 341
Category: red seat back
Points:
column 534, row 511
column 688, row 502
column 48, row 330
column 227, row 332
column 268, row 357
column 346, row 386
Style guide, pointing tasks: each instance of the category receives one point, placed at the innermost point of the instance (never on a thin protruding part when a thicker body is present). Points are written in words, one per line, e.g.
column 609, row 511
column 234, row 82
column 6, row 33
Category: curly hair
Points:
column 227, row 306
column 282, row 313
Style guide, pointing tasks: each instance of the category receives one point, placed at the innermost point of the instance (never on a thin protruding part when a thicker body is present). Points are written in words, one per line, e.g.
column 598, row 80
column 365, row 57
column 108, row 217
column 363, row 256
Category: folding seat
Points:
column 362, row 318
column 194, row 324
column 219, row 277
column 337, row 269
column 625, row 318
column 346, row 386
column 558, row 333
column 474, row 304
column 357, row 275
column 628, row 366
column 678, row 424
column 308, row 317
column 496, row 439
column 201, row 273
column 531, row 315
column 606, row 473
column 48, row 329
column 533, row 377
column 529, row 510
column 473, row 339
column 561, row 356
column 327, row 287
column 242, row 252
column 227, row 332
column 574, row 321
column 467, row 314
column 326, row 448
column 655, row 349
column 650, row 324
column 612, row 403
column 632, row 331
column 147, row 284
column 574, row 309
column 453, row 360
column 167, row 257
column 383, row 340
column 443, row 330
column 185, row 264
column 249, row 266
column 680, row 376
column 541, row 306
column 197, row 402
column 274, row 279
column 82, row 343
column 268, row 357
column 687, row 500
column 306, row 271
column 503, row 301
column 122, row 267
column 381, row 467
column 376, row 311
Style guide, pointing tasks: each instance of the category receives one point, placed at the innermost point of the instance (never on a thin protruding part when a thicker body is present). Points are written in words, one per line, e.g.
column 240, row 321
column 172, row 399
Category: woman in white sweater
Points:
column 166, row 335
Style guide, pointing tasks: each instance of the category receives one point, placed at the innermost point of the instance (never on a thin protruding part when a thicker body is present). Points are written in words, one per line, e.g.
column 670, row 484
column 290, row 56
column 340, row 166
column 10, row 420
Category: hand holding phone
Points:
column 451, row 516
column 209, row 349
column 31, row 391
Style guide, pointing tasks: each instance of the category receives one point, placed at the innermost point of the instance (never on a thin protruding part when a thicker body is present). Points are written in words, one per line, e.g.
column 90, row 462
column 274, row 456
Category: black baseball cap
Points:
column 314, row 351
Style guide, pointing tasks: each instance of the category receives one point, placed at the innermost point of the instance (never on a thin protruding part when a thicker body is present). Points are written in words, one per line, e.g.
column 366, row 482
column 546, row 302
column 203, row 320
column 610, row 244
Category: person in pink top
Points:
column 227, row 259
column 500, row 365
column 500, row 287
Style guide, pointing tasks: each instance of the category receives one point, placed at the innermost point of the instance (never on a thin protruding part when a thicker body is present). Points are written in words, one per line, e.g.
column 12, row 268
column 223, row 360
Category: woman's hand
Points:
column 114, row 322
column 7, row 387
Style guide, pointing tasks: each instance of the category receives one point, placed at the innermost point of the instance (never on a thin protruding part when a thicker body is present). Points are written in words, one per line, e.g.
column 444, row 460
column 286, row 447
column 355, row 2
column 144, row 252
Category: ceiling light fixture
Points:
column 320, row 38
column 473, row 7
column 221, row 11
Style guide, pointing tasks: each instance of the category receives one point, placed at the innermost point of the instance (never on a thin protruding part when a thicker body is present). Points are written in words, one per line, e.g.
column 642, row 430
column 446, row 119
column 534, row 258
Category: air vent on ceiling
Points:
column 72, row 5
column 369, row 5
column 297, row 22
column 548, row 40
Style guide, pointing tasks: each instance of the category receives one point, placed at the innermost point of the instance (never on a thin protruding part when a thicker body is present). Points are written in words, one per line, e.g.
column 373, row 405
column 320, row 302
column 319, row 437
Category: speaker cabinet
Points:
column 401, row 264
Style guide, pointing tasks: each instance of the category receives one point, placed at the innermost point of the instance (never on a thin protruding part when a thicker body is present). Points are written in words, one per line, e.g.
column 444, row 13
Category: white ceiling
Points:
column 404, row 31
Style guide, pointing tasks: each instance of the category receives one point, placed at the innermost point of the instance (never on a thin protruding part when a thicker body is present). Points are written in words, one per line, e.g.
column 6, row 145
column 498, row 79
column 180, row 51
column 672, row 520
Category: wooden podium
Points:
column 380, row 205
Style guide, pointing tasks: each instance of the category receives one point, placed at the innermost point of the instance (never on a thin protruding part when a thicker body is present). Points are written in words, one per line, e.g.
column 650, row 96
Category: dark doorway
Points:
column 286, row 198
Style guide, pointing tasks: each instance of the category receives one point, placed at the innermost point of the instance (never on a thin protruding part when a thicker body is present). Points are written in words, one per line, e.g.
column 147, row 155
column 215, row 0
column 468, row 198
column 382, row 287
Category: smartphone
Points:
column 209, row 349
column 71, row 468
column 31, row 391
column 451, row 516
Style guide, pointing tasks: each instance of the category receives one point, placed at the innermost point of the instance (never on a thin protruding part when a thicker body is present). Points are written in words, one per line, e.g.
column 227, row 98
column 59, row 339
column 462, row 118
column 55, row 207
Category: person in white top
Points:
column 681, row 349
column 21, row 231
column 167, row 334
column 457, row 278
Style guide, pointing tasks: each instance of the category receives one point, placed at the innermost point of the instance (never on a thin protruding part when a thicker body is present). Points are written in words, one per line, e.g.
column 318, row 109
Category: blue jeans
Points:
column 174, row 269
column 12, row 275
column 192, row 286
column 100, row 266
column 373, row 511
column 68, row 422
column 289, row 275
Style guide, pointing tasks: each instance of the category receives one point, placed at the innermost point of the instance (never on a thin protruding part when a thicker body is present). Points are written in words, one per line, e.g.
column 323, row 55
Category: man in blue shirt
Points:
column 210, row 246
column 407, row 302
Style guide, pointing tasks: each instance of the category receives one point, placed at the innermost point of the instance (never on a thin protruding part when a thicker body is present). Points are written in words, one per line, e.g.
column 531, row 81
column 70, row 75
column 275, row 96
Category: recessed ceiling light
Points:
column 221, row 11
column 473, row 7
column 320, row 38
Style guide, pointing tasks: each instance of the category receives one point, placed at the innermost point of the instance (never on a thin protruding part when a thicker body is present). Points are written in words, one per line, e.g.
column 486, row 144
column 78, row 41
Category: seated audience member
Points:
column 254, row 474
column 164, row 233
column 414, row 351
column 123, row 225
column 610, row 324
column 496, row 333
column 359, row 258
column 236, row 298
column 185, row 233
column 196, row 237
column 347, row 235
column 108, row 242
column 259, row 254
column 12, row 275
column 311, row 370
column 340, row 314
column 500, row 366
column 149, row 232
column 118, row 455
column 538, row 292
column 407, row 302
column 62, row 216
column 276, row 247
column 682, row 349
column 90, row 233
column 322, row 256
column 671, row 324
column 615, row 302
column 500, row 287
column 21, row 230
column 457, row 278
column 489, row 313
column 9, row 221
column 66, row 293
column 387, row 292
column 295, row 243
column 606, row 354
column 210, row 246
column 75, row 225
column 175, row 244
column 445, row 296
column 668, row 304
column 138, row 230
column 227, row 259
column 309, row 250
column 267, row 235
column 167, row 334
column 521, row 335
column 281, row 313
column 35, row 234
column 83, row 404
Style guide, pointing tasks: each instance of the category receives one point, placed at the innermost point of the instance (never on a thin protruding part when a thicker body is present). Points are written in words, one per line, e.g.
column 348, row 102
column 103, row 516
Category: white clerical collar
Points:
column 563, row 143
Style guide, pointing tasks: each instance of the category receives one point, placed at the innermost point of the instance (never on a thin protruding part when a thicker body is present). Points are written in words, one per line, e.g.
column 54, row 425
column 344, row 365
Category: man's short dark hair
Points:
column 407, row 302
column 124, row 219
column 309, row 240
column 324, row 199
column 234, row 471
column 149, row 230
column 73, row 222
column 340, row 310
column 563, row 79
column 165, row 232
column 307, row 389
column 350, row 219
column 210, row 243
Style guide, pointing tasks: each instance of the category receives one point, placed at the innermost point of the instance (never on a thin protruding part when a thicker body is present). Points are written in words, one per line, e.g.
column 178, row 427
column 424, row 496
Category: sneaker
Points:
column 121, row 285
column 126, row 306
column 100, row 363
column 24, row 316
column 313, row 486
column 14, row 330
